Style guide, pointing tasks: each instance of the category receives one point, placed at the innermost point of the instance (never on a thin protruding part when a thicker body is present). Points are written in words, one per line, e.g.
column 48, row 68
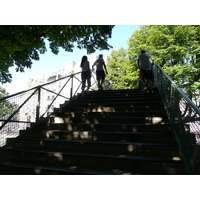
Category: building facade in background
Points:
column 70, row 68
column 50, row 91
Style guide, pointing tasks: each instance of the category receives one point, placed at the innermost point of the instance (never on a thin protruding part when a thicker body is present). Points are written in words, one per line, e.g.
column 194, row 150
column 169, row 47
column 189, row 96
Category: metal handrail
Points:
column 21, row 92
column 181, row 91
column 36, row 103
column 184, row 117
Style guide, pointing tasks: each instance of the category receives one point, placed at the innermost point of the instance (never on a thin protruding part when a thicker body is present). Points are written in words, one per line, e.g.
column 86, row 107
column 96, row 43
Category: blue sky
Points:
column 50, row 62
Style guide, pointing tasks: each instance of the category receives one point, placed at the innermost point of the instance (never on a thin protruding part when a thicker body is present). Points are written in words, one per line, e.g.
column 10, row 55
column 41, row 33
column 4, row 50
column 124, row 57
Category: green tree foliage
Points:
column 3, row 93
column 122, row 72
column 20, row 44
column 6, row 107
column 175, row 48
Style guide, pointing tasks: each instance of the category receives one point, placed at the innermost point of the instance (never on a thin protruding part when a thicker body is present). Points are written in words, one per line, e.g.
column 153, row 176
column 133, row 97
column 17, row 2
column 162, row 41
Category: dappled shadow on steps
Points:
column 107, row 132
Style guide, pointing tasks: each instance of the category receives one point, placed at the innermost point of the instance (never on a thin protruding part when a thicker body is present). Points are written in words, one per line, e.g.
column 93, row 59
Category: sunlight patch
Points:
column 131, row 148
column 176, row 158
column 38, row 170
column 58, row 156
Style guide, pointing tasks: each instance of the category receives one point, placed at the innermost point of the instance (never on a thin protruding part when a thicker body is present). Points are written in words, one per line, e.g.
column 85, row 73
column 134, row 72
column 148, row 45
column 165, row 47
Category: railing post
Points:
column 38, row 105
column 71, row 90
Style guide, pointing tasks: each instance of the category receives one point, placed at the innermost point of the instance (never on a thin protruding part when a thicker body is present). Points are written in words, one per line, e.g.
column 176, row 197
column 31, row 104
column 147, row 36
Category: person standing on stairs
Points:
column 100, row 74
column 145, row 64
column 86, row 73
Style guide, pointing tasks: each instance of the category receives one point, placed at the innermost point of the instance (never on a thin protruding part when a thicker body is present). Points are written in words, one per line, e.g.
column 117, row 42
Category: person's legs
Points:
column 140, row 85
column 102, row 79
column 99, row 85
column 149, row 80
column 144, row 78
column 88, row 81
column 98, row 74
column 83, row 77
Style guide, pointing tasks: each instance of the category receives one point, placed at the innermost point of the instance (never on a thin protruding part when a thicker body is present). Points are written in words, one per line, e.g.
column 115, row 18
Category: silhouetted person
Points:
column 145, row 65
column 100, row 73
column 86, row 73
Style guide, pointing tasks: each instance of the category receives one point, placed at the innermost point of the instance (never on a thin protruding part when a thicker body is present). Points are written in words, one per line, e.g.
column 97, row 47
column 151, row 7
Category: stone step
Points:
column 130, row 164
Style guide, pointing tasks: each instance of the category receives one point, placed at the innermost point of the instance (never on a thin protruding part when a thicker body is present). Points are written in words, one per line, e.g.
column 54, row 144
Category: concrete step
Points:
column 131, row 103
column 139, row 137
column 103, row 95
column 21, row 168
column 98, row 108
column 99, row 120
column 115, row 104
column 130, row 164
column 107, row 127
column 111, row 114
column 134, row 99
column 100, row 147
column 126, row 93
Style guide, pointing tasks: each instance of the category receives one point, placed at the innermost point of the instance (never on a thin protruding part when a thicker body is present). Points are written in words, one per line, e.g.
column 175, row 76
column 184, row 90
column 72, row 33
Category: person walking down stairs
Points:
column 100, row 73
column 86, row 73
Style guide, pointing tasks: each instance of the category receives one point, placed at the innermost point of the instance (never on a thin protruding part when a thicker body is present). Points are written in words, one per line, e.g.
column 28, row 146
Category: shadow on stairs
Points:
column 101, row 133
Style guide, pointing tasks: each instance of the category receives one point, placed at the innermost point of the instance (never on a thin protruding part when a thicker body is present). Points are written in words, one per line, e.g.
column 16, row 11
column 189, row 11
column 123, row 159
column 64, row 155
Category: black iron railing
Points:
column 184, row 117
column 19, row 110
column 22, row 109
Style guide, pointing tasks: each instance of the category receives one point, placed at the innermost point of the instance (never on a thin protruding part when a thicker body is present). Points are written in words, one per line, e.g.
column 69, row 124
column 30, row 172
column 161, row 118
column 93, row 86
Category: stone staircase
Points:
column 101, row 133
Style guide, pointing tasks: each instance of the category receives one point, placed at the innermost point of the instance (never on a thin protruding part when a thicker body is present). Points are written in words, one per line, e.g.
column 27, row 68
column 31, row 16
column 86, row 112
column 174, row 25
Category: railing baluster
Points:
column 38, row 105
column 71, row 90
